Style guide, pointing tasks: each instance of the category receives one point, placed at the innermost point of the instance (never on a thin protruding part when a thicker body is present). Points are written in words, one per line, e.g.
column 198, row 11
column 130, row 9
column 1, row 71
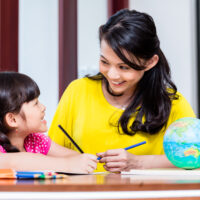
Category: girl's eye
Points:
column 124, row 67
column 104, row 62
column 36, row 103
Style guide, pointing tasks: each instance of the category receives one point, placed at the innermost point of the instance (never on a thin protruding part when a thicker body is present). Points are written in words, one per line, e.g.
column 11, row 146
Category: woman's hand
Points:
column 118, row 160
column 82, row 163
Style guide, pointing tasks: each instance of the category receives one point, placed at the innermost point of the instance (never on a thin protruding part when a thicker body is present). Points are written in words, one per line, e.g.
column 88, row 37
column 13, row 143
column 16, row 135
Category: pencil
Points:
column 38, row 175
column 31, row 172
column 76, row 145
column 130, row 147
column 135, row 145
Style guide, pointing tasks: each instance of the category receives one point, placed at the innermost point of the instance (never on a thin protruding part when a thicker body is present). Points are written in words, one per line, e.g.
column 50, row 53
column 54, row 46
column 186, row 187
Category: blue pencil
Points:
column 130, row 147
column 30, row 172
column 30, row 176
column 38, row 175
column 135, row 145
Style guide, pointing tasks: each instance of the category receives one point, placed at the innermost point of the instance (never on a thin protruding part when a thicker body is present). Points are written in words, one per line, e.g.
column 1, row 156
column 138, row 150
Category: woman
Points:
column 131, row 100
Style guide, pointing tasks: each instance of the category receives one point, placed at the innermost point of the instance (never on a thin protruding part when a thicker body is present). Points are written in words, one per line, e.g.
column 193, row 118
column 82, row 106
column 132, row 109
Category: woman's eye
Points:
column 124, row 67
column 104, row 62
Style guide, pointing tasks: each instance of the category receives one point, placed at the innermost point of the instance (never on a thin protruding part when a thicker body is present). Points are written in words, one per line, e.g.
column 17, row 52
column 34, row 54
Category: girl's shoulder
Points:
column 2, row 150
column 37, row 143
column 37, row 136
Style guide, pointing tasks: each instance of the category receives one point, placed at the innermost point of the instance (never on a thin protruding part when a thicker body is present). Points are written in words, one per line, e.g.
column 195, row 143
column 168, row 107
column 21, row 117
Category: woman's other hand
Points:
column 117, row 160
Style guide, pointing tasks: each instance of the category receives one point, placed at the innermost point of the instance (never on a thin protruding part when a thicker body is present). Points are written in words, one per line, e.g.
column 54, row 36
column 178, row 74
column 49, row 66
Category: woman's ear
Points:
column 10, row 120
column 152, row 62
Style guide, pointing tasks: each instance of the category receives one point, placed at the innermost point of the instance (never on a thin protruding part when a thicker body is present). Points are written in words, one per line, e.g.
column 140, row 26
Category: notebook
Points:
column 164, row 172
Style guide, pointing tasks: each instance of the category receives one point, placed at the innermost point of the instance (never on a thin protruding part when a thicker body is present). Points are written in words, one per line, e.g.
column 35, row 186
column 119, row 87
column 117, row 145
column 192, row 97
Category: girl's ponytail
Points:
column 5, row 143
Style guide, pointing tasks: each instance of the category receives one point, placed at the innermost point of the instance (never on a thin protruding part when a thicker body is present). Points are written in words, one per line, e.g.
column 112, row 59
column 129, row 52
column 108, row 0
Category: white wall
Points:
column 91, row 14
column 38, row 42
column 38, row 48
column 175, row 21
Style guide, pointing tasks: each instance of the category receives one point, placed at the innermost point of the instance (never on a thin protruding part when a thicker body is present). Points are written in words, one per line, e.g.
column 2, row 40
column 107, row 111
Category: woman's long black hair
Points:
column 135, row 32
column 15, row 89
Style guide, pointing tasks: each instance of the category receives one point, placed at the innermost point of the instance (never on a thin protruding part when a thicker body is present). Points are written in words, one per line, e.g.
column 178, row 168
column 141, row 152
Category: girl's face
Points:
column 122, row 79
column 32, row 117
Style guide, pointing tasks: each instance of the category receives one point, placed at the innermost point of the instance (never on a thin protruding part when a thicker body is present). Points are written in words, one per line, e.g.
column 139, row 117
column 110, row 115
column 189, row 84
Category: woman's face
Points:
column 122, row 79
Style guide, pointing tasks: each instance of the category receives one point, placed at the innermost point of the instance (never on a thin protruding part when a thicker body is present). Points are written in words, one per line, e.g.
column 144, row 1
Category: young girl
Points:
column 22, row 123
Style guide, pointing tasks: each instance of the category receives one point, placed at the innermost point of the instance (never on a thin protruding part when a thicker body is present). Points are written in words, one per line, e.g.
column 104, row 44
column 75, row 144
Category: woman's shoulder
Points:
column 181, row 105
column 178, row 97
column 82, row 84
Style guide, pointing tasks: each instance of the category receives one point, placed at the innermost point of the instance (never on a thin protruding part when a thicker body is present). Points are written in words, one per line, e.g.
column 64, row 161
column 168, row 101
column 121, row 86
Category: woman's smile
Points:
column 114, row 83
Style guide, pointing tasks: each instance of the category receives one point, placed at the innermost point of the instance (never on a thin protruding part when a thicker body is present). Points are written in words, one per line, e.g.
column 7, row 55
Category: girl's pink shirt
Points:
column 35, row 143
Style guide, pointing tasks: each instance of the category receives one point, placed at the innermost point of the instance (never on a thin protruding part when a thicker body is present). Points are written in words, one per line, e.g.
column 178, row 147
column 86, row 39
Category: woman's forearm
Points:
column 154, row 161
column 116, row 160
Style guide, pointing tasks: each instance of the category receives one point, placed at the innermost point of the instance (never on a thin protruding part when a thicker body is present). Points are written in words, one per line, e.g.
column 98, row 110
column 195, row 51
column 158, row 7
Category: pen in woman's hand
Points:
column 129, row 147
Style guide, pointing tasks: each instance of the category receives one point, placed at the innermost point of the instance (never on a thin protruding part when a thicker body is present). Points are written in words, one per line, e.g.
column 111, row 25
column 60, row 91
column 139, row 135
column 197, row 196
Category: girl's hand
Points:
column 118, row 160
column 82, row 163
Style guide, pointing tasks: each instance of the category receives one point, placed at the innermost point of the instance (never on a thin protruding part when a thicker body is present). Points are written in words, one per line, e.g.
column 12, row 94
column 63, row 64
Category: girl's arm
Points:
column 24, row 161
column 117, row 160
column 60, row 151
column 57, row 150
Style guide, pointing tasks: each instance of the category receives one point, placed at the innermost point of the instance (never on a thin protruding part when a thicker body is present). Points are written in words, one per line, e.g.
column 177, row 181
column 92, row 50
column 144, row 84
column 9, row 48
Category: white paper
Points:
column 163, row 172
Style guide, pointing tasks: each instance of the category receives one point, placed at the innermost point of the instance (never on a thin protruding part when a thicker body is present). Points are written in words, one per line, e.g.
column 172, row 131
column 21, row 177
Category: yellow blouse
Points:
column 91, row 121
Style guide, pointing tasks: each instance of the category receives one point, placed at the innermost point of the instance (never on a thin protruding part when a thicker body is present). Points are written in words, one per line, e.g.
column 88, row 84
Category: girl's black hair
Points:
column 15, row 89
column 135, row 32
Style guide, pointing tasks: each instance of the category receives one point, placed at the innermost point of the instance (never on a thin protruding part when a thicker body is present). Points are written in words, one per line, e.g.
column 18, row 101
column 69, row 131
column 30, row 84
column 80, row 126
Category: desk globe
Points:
column 182, row 143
